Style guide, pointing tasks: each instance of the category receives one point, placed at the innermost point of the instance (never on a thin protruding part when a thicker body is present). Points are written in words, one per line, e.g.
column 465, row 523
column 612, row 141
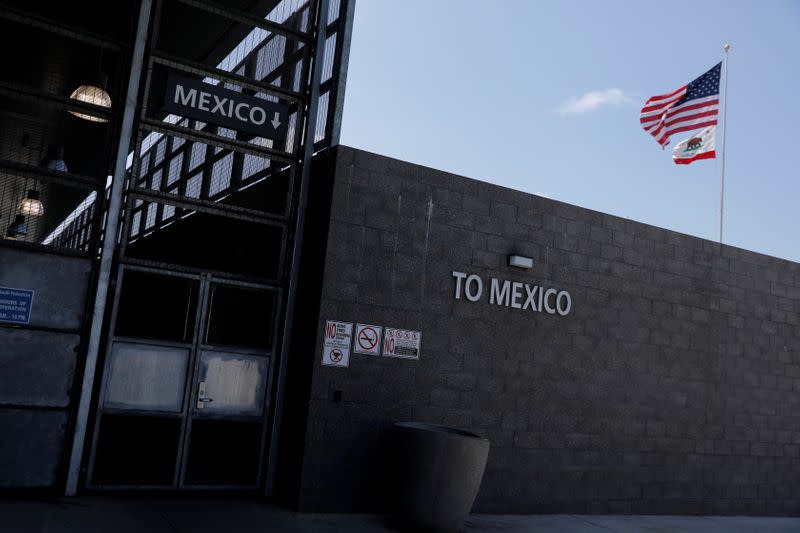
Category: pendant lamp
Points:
column 31, row 205
column 92, row 93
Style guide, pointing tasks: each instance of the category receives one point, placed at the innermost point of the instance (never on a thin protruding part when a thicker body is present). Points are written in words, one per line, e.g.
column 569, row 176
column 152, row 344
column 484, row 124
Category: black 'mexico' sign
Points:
column 226, row 108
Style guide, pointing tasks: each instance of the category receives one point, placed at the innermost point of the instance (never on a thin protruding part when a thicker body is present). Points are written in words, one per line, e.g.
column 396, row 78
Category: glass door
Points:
column 226, row 425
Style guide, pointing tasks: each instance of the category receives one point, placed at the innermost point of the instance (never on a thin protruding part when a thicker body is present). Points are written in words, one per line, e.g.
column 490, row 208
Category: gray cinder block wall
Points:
column 672, row 386
column 37, row 366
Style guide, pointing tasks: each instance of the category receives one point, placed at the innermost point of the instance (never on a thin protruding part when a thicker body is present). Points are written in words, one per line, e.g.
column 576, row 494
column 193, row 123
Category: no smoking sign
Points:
column 368, row 339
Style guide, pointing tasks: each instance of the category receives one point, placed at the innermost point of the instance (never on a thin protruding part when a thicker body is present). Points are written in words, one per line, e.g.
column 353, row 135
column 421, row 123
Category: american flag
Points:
column 691, row 107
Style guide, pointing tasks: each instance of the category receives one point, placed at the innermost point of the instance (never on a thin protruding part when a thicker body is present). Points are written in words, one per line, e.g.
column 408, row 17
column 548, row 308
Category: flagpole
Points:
column 724, row 127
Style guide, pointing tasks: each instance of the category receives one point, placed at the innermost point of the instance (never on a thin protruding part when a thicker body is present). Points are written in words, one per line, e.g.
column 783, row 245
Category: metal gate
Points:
column 184, row 394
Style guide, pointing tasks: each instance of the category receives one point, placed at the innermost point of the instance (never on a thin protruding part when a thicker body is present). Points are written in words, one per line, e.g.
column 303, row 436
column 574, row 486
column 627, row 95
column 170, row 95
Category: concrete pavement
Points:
column 631, row 524
column 124, row 514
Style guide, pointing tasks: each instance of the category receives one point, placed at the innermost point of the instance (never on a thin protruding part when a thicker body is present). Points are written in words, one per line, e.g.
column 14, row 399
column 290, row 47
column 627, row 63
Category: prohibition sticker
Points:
column 336, row 346
column 368, row 339
column 402, row 343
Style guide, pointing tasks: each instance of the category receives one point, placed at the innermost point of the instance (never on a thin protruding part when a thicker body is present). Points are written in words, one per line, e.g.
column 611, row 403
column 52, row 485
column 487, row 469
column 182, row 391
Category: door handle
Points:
column 202, row 400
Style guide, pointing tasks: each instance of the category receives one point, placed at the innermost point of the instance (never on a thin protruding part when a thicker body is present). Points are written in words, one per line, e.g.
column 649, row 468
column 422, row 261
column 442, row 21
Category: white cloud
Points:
column 592, row 100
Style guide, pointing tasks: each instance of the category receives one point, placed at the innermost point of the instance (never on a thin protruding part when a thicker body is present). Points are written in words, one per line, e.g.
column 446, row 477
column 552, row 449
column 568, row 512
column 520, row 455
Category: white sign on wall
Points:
column 513, row 294
column 368, row 339
column 402, row 343
column 336, row 347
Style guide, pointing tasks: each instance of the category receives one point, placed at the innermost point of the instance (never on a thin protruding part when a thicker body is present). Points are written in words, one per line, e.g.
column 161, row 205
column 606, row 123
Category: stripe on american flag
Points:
column 693, row 106
column 701, row 104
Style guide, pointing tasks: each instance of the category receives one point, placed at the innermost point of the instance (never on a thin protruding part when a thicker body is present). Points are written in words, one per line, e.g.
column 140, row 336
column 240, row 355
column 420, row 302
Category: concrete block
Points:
column 32, row 458
column 38, row 367
column 59, row 284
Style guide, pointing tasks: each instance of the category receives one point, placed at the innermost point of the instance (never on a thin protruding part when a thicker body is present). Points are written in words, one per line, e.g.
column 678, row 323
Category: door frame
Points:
column 195, row 346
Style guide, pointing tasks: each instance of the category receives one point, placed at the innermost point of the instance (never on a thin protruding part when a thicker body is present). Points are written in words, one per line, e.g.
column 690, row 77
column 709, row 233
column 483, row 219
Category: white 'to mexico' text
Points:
column 514, row 294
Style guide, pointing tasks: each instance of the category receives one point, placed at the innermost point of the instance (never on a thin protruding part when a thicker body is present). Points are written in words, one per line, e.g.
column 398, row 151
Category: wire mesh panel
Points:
column 77, row 229
column 286, row 18
column 61, row 91
column 45, row 205
column 186, row 171
column 267, row 57
column 51, row 162
column 93, row 21
column 193, row 170
column 62, row 65
column 54, row 160
column 194, row 160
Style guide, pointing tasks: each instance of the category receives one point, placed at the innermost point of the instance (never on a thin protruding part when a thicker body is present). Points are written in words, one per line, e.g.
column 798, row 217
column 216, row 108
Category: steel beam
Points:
column 21, row 92
column 192, row 67
column 50, row 176
column 107, row 254
column 208, row 206
column 291, row 299
column 215, row 140
column 344, row 37
column 248, row 19
column 34, row 21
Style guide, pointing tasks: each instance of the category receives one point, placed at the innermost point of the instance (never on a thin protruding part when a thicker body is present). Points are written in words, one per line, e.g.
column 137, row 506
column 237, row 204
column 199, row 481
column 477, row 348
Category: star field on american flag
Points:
column 691, row 107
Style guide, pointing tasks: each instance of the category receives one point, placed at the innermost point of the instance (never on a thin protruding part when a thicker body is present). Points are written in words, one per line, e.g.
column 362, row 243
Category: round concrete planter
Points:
column 438, row 473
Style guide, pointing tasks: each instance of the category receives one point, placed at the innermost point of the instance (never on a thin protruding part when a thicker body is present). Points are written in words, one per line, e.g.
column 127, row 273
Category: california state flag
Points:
column 698, row 146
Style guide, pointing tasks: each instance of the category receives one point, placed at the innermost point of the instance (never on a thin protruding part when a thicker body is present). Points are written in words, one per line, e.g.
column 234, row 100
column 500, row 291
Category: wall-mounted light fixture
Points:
column 18, row 228
column 520, row 261
column 31, row 205
column 92, row 93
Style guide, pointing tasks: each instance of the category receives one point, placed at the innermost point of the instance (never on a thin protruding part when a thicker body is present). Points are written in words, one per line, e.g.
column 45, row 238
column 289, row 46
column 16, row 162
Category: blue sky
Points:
column 482, row 88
